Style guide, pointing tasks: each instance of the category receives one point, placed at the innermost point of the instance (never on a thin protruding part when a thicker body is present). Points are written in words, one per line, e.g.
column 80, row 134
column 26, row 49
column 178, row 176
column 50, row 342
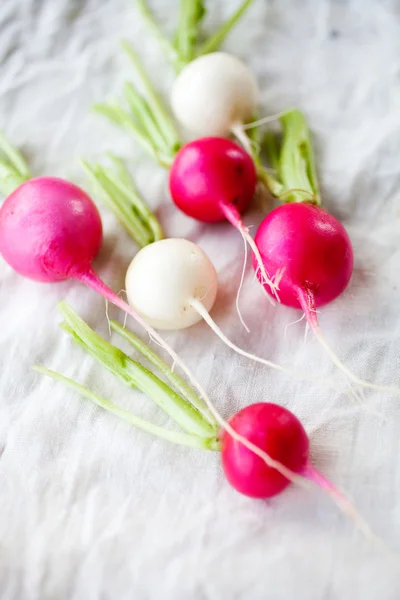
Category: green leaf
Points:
column 297, row 170
column 171, row 436
column 180, row 384
column 215, row 41
column 13, row 168
column 166, row 45
column 133, row 374
column 191, row 15
column 159, row 111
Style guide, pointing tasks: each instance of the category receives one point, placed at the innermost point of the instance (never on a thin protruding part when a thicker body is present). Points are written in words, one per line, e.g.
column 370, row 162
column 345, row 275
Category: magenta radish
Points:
column 316, row 257
column 275, row 430
column 276, row 446
column 305, row 244
column 213, row 179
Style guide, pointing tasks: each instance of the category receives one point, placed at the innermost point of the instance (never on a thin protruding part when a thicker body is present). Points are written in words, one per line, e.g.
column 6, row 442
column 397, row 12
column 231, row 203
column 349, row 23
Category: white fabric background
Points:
column 90, row 508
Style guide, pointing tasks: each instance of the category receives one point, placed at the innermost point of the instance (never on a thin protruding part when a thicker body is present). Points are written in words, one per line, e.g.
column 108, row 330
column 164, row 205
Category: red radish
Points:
column 213, row 179
column 313, row 251
column 50, row 230
column 276, row 453
column 308, row 247
column 275, row 430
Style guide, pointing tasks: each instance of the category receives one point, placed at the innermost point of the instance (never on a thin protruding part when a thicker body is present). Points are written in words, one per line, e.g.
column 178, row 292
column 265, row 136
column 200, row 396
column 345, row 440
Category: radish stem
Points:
column 215, row 41
column 159, row 110
column 116, row 188
column 131, row 372
column 167, row 46
column 172, row 436
column 294, row 161
column 186, row 47
column 180, row 384
column 13, row 168
column 121, row 118
column 191, row 14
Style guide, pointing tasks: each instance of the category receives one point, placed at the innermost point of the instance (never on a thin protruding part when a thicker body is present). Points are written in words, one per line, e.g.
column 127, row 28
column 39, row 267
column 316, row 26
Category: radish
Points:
column 275, row 430
column 213, row 179
column 215, row 95
column 305, row 244
column 263, row 447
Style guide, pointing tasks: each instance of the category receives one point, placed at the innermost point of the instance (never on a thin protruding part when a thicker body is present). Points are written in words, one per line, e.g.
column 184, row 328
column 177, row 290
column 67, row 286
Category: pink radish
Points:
column 276, row 453
column 275, row 430
column 213, row 179
column 305, row 244
column 312, row 249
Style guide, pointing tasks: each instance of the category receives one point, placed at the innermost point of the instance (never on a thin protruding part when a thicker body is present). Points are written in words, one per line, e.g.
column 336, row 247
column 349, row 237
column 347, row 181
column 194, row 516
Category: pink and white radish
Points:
column 213, row 179
column 215, row 95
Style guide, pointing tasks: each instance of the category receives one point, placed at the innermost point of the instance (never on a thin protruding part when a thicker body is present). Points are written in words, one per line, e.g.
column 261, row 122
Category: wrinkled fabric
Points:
column 93, row 509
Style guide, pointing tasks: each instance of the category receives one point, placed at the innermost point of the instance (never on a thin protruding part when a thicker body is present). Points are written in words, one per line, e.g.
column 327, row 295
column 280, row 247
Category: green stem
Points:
column 13, row 168
column 124, row 182
column 103, row 188
column 160, row 112
column 180, row 384
column 122, row 119
column 132, row 373
column 191, row 14
column 118, row 192
column 272, row 184
column 215, row 41
column 271, row 146
column 171, row 436
column 297, row 170
column 166, row 45
column 142, row 112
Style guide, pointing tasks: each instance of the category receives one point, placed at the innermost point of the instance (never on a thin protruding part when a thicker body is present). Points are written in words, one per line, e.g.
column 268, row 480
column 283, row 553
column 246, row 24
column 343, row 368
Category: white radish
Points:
column 215, row 95
column 165, row 278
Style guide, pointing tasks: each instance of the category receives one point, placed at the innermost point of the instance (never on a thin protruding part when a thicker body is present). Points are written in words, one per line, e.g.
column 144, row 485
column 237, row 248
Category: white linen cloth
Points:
column 93, row 509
